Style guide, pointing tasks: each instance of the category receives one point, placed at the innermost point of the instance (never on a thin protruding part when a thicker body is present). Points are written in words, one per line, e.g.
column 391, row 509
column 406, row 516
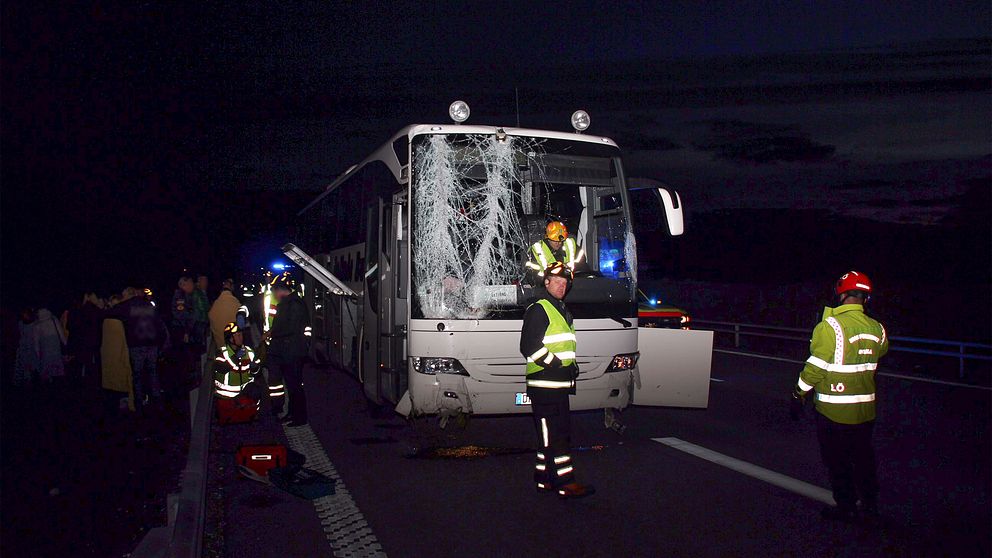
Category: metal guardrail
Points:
column 183, row 536
column 960, row 349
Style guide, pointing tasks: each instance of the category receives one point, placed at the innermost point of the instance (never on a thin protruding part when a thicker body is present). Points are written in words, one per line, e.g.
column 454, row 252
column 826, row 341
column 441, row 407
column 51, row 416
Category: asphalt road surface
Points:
column 653, row 499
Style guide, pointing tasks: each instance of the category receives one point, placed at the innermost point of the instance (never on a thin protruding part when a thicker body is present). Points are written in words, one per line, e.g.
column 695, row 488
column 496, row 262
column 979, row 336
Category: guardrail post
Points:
column 737, row 336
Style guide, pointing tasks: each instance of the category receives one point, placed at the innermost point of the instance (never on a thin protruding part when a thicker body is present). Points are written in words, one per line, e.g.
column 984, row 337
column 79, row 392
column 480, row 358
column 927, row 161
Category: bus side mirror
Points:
column 672, row 204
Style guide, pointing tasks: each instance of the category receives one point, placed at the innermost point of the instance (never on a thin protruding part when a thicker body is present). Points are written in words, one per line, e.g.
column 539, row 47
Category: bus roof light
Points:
column 580, row 121
column 459, row 111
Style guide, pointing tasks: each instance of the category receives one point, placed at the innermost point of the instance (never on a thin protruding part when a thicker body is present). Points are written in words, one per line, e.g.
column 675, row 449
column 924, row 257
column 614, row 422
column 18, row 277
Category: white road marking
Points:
column 343, row 523
column 771, row 477
column 888, row 374
column 717, row 380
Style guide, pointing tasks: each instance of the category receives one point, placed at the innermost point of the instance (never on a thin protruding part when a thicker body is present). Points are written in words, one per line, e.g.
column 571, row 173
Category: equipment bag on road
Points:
column 302, row 482
column 262, row 458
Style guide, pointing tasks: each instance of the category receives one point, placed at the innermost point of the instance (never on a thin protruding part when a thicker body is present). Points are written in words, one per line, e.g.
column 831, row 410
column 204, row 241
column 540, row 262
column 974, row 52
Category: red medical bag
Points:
column 262, row 458
column 236, row 410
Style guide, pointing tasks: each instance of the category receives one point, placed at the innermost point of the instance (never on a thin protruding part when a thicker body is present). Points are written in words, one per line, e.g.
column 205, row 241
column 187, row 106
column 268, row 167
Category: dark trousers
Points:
column 848, row 453
column 289, row 374
column 554, row 439
column 144, row 370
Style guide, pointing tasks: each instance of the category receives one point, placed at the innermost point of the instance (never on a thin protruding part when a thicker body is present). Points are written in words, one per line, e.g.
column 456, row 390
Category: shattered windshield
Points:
column 480, row 202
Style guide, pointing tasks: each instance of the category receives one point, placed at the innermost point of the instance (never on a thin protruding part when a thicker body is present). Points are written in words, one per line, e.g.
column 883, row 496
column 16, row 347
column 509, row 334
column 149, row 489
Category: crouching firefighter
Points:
column 235, row 367
column 548, row 341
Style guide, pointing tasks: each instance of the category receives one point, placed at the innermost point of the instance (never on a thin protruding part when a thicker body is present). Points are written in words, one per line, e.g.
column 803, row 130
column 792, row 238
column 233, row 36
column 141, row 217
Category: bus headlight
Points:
column 623, row 362
column 438, row 365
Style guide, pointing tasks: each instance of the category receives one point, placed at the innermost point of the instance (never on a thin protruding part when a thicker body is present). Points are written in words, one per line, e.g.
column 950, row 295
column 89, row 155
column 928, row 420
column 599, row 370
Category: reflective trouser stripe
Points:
column 564, row 471
column 562, row 459
column 544, row 432
column 845, row 399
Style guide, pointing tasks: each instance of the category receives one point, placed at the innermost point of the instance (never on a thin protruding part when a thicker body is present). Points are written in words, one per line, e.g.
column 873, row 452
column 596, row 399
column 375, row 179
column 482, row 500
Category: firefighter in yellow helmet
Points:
column 556, row 246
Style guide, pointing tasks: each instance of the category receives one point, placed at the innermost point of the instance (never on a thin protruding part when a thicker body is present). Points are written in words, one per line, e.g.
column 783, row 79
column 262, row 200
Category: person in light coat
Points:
column 223, row 311
column 115, row 360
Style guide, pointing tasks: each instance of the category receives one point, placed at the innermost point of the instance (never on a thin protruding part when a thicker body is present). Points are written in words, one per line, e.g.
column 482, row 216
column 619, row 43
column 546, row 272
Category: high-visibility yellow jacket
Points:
column 233, row 370
column 844, row 353
column 558, row 342
column 541, row 255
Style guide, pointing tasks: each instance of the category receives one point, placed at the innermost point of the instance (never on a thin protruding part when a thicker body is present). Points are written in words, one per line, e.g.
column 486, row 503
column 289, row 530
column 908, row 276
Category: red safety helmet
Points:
column 854, row 281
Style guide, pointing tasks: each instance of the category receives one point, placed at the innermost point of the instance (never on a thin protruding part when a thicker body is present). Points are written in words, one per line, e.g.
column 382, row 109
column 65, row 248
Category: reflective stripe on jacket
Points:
column 844, row 353
column 559, row 340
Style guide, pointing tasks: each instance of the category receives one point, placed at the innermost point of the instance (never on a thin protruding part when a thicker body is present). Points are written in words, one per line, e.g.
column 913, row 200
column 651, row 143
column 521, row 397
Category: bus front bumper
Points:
column 450, row 394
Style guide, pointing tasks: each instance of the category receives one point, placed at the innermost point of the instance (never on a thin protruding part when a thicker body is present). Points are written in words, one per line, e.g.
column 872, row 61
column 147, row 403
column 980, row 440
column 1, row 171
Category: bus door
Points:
column 674, row 368
column 371, row 330
column 393, row 300
column 384, row 324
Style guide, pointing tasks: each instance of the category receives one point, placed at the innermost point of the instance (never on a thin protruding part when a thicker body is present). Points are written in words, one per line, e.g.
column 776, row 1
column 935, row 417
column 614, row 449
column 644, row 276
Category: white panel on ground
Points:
column 674, row 368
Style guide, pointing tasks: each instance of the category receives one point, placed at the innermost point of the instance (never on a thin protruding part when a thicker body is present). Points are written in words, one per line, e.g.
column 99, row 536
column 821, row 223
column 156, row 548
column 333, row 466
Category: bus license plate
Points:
column 522, row 399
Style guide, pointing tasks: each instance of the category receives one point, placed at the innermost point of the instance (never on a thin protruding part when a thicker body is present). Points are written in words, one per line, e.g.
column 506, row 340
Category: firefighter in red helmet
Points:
column 839, row 376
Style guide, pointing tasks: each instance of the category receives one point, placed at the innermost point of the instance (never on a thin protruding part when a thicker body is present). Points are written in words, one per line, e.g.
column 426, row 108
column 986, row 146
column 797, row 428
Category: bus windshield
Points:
column 480, row 202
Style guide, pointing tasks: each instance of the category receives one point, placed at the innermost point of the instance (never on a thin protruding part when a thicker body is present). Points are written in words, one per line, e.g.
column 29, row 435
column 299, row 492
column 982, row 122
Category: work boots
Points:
column 574, row 491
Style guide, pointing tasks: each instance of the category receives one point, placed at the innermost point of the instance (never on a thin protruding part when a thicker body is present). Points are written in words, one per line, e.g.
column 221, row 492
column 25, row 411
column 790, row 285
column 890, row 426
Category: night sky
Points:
column 141, row 139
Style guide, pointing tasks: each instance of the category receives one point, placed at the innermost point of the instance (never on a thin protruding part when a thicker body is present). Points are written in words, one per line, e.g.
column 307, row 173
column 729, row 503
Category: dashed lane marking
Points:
column 771, row 477
column 347, row 531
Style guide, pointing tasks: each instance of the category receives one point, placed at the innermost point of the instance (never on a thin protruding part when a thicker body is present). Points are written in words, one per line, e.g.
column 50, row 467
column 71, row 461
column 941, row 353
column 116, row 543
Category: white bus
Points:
column 417, row 282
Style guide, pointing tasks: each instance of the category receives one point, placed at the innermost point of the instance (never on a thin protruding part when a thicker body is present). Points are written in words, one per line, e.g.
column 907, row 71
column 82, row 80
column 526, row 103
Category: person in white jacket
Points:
column 50, row 340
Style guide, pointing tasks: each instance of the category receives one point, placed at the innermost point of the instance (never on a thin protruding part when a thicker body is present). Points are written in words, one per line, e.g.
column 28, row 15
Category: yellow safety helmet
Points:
column 556, row 231
column 283, row 280
column 558, row 269
column 229, row 330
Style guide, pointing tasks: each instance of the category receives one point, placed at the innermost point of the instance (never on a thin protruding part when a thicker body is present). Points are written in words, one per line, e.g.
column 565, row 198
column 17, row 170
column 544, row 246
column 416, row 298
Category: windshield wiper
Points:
column 622, row 321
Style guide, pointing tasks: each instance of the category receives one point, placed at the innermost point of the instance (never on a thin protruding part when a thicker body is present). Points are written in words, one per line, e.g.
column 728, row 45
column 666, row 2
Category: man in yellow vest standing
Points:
column 547, row 340
column 840, row 375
